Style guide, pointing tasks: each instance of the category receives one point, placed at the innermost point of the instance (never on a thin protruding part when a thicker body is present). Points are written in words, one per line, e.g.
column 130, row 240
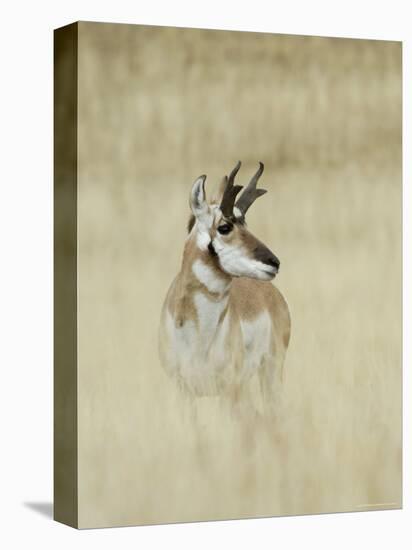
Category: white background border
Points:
column 26, row 269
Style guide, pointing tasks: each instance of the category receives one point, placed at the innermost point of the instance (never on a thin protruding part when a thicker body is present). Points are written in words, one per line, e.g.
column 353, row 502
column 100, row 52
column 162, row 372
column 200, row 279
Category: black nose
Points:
column 273, row 261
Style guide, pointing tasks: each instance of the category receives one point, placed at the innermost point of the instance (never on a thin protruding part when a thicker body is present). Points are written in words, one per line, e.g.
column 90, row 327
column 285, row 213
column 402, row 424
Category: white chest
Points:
column 206, row 353
column 256, row 340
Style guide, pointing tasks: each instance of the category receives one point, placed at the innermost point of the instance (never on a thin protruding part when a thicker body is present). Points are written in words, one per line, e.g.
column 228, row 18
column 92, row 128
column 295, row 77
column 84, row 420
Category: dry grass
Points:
column 159, row 107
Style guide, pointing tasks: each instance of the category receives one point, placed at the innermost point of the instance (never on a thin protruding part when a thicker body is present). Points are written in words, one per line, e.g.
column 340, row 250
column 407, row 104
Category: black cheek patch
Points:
column 211, row 249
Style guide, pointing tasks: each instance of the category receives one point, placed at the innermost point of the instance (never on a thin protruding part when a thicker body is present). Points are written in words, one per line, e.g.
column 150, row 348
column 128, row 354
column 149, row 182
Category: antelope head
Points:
column 220, row 228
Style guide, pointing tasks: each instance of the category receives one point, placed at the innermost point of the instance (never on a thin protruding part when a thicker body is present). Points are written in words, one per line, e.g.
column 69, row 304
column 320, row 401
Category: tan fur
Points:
column 247, row 299
column 250, row 297
column 179, row 299
column 218, row 330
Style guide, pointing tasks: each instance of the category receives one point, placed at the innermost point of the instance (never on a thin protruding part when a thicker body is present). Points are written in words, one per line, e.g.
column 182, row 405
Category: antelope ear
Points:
column 197, row 200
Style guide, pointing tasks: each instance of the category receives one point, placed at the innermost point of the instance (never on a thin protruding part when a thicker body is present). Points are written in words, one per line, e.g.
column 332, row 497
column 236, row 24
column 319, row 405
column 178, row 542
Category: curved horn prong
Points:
column 230, row 193
column 250, row 194
column 234, row 172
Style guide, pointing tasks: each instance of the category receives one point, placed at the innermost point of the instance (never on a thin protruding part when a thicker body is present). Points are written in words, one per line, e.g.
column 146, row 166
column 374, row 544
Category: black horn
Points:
column 250, row 194
column 230, row 193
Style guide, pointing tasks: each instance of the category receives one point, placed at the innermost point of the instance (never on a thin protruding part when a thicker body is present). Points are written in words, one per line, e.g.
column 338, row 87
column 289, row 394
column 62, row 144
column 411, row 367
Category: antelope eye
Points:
column 225, row 228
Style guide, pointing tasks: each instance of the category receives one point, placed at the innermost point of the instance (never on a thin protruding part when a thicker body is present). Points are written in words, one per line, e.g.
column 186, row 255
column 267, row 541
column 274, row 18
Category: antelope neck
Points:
column 200, row 272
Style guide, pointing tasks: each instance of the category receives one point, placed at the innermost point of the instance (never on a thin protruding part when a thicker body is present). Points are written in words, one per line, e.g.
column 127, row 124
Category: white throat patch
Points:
column 208, row 277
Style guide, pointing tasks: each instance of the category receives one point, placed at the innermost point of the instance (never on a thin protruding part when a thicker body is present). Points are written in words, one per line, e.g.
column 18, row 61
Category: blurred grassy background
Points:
column 158, row 107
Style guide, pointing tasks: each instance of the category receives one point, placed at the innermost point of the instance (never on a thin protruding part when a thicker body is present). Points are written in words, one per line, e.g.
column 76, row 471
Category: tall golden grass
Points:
column 158, row 107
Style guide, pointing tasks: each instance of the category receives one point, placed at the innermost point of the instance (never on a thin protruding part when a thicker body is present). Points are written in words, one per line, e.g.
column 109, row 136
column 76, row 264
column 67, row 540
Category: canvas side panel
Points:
column 65, row 275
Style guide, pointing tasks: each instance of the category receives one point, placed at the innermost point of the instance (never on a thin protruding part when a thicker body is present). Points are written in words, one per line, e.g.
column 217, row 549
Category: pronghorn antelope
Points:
column 223, row 321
